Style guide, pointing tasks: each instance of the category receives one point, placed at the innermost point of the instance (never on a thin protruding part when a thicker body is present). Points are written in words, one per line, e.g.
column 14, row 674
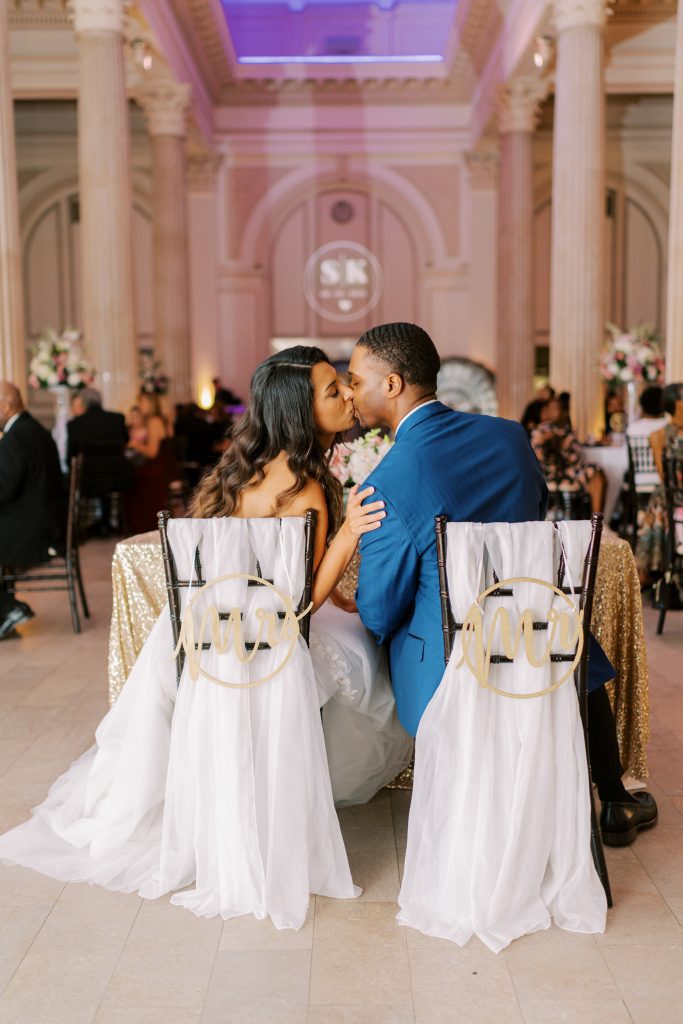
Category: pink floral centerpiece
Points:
column 353, row 462
column 58, row 360
column 633, row 357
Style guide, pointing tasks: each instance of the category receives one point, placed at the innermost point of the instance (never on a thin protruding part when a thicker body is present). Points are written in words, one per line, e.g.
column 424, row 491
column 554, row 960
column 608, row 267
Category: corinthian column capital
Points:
column 483, row 166
column 518, row 103
column 165, row 105
column 98, row 16
column 202, row 169
column 578, row 13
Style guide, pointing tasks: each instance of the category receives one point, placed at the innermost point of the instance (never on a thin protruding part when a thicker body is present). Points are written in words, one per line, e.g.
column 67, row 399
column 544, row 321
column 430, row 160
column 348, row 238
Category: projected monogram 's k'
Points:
column 226, row 631
column 477, row 642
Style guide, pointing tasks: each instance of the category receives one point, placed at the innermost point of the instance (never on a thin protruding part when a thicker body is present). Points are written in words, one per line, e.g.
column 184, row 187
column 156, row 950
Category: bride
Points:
column 230, row 789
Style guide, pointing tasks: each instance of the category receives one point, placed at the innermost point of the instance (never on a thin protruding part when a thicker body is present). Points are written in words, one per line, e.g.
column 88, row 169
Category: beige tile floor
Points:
column 75, row 954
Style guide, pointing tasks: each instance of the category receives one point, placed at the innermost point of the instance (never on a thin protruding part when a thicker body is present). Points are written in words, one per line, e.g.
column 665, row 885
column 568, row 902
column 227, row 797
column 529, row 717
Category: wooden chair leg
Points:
column 73, row 604
column 81, row 588
column 597, row 849
column 662, row 616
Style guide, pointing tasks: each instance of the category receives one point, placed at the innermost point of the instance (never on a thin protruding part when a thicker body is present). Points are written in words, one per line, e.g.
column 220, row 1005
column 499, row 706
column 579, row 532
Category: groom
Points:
column 471, row 468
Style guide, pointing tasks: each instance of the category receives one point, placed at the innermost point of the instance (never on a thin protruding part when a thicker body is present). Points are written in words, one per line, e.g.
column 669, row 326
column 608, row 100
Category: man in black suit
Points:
column 102, row 437
column 31, row 498
column 92, row 423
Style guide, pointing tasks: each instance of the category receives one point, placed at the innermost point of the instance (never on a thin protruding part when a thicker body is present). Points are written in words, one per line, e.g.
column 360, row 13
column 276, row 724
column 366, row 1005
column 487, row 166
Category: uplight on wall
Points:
column 207, row 395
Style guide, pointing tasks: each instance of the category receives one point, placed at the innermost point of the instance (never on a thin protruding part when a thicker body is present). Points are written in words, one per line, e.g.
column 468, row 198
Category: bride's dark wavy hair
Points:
column 279, row 418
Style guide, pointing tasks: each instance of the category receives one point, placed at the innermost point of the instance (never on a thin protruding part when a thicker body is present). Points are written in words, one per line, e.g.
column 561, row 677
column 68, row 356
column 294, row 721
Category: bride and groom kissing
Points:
column 233, row 790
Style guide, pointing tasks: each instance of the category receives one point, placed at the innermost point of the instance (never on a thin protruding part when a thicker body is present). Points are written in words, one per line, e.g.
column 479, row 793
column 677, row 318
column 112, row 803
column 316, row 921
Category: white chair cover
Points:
column 229, row 791
column 499, row 829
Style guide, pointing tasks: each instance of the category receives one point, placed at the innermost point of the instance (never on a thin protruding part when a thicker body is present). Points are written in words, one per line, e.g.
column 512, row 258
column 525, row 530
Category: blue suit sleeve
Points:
column 387, row 582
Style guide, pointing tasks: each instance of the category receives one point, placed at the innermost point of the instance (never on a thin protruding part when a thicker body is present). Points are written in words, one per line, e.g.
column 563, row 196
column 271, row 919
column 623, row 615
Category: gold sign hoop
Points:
column 289, row 631
column 473, row 625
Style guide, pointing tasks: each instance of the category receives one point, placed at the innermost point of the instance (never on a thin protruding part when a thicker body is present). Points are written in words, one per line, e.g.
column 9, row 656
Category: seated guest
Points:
column 614, row 416
column 31, row 498
column 651, row 418
column 91, row 423
column 137, row 428
column 559, row 453
column 652, row 522
column 101, row 436
column 156, row 468
column 531, row 416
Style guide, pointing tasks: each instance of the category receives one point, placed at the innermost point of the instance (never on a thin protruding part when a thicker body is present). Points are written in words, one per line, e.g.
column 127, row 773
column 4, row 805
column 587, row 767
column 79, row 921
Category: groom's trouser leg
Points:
column 602, row 738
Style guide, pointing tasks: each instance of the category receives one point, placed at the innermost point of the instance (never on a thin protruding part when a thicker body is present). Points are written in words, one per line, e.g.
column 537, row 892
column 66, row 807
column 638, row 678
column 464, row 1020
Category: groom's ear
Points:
column 394, row 385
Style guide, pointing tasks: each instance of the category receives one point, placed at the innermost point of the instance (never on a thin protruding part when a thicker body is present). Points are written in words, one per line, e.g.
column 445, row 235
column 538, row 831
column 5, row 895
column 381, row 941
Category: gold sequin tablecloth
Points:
column 140, row 594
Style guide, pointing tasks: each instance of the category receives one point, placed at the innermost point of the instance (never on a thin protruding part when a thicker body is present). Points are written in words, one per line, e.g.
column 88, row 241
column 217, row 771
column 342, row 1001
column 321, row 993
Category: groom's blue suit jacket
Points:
column 470, row 468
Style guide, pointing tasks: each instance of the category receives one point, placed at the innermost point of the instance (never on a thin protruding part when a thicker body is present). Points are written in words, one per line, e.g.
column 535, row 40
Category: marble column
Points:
column 165, row 104
column 105, row 198
column 482, row 166
column 518, row 106
column 12, row 341
column 203, row 168
column 577, row 309
column 674, row 317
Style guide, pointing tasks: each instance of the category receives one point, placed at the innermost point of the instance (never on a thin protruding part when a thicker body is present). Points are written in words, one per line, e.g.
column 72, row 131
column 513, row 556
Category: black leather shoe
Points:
column 19, row 613
column 620, row 822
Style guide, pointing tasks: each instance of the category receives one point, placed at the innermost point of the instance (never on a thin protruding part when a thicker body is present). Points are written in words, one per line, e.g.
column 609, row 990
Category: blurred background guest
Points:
column 531, row 416
column 559, row 453
column 32, row 499
column 615, row 418
column 651, row 414
column 652, row 522
column 155, row 468
column 90, row 422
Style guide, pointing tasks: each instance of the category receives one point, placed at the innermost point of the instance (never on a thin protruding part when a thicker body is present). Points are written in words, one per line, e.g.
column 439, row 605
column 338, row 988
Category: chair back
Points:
column 73, row 512
column 564, row 583
column 585, row 594
column 642, row 470
column 200, row 564
column 105, row 469
column 673, row 490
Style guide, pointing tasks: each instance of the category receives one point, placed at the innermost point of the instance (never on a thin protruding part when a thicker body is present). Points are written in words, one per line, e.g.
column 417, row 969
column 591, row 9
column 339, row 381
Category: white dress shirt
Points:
column 409, row 414
column 10, row 423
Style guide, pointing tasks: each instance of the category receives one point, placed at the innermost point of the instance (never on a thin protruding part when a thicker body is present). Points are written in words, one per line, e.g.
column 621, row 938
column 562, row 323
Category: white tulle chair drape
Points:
column 499, row 829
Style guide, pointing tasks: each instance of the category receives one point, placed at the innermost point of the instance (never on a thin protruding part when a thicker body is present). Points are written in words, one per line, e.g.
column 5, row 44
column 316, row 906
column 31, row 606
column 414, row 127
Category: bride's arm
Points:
column 332, row 562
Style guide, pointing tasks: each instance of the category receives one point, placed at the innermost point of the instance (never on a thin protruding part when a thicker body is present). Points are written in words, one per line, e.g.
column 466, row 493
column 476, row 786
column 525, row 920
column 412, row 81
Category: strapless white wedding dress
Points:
column 226, row 790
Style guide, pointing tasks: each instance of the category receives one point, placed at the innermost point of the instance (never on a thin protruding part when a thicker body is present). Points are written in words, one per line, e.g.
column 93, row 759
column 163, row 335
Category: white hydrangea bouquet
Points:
column 58, row 360
column 633, row 357
column 353, row 463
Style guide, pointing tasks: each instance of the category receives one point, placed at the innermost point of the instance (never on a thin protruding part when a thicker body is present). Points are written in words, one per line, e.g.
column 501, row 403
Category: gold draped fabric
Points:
column 140, row 594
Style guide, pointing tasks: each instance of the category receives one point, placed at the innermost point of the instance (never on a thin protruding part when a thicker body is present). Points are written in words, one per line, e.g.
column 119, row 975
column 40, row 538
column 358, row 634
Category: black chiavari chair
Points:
column 63, row 570
column 673, row 547
column 174, row 585
column 641, row 478
column 586, row 592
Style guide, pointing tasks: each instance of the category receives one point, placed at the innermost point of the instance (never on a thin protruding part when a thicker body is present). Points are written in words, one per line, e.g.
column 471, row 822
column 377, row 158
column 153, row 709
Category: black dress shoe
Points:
column 19, row 613
column 620, row 822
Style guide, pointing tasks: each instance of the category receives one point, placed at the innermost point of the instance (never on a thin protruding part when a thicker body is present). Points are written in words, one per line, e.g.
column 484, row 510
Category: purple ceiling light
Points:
column 339, row 31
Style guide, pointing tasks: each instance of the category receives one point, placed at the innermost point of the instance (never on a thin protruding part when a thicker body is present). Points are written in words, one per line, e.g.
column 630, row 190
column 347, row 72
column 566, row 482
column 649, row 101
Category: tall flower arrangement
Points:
column 152, row 381
column 58, row 360
column 353, row 463
column 633, row 357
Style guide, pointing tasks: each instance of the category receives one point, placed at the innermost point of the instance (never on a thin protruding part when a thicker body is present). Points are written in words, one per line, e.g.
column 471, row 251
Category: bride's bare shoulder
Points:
column 311, row 495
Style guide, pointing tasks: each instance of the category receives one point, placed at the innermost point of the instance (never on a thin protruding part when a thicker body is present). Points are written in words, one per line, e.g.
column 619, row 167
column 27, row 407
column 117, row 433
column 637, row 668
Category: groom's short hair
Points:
column 405, row 349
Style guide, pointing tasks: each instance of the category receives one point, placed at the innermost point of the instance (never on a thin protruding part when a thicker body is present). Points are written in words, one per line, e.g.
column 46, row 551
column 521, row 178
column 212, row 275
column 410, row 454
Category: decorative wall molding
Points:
column 27, row 14
column 97, row 15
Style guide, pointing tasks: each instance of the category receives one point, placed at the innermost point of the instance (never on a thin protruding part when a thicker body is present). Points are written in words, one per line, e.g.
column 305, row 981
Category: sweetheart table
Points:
column 139, row 594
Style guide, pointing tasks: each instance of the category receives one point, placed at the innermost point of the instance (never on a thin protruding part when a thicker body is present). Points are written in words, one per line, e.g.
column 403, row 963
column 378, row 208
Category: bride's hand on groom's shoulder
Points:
column 361, row 518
